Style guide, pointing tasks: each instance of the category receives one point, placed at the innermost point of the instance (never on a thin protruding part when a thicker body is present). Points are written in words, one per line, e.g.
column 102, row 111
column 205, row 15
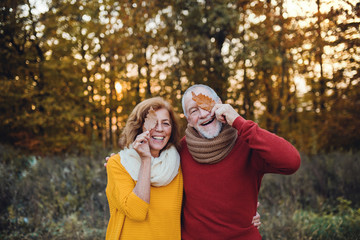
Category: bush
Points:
column 58, row 197
column 315, row 192
column 13, row 166
column 341, row 224
column 63, row 197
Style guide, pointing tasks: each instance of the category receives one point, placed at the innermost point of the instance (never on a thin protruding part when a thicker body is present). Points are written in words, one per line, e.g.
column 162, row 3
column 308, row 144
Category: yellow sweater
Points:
column 131, row 217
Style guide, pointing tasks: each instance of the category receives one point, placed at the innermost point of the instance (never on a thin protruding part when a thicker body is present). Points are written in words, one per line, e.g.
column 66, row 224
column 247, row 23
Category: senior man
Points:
column 223, row 159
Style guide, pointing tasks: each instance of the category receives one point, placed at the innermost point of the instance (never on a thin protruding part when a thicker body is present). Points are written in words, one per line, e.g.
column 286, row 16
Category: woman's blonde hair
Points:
column 137, row 117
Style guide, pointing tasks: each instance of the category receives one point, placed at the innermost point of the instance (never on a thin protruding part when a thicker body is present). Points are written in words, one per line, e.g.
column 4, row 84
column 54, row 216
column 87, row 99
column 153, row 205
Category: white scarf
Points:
column 163, row 168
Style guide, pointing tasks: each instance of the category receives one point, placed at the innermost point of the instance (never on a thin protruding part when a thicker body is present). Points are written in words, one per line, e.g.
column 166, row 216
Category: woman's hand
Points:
column 141, row 145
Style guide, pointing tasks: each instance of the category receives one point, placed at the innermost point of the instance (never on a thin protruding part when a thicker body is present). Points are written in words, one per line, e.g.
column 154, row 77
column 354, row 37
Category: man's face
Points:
column 208, row 126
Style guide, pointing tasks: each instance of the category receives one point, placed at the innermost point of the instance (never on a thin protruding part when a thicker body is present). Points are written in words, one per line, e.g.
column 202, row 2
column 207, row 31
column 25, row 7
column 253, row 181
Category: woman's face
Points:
column 160, row 135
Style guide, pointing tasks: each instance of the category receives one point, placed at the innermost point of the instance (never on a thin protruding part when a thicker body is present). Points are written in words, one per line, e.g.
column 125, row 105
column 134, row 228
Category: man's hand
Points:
column 107, row 159
column 225, row 113
column 256, row 218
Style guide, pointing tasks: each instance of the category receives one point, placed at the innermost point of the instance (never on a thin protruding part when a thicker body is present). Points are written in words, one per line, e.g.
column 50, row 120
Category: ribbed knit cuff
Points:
column 238, row 123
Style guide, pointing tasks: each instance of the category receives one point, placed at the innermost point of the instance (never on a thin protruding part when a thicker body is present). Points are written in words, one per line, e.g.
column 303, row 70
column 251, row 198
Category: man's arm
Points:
column 271, row 153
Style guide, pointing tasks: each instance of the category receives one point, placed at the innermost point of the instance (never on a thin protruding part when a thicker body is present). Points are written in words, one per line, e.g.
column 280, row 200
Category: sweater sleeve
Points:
column 270, row 153
column 119, row 191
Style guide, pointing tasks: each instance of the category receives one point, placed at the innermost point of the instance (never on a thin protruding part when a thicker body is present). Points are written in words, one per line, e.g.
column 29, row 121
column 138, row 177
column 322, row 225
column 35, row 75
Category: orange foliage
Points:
column 203, row 101
column 150, row 120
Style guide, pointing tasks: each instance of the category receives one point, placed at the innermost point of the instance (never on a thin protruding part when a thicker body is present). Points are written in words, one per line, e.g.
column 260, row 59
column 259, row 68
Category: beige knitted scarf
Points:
column 210, row 151
column 163, row 168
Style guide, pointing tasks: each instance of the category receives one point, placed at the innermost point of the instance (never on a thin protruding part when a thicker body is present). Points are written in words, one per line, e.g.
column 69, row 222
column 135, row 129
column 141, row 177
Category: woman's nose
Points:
column 158, row 127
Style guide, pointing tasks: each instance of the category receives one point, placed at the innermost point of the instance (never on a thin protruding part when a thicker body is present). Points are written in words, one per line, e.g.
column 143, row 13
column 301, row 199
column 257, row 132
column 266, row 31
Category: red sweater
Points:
column 220, row 199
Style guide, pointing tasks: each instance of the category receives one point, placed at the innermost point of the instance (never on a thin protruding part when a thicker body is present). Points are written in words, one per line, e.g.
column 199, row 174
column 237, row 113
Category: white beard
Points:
column 212, row 133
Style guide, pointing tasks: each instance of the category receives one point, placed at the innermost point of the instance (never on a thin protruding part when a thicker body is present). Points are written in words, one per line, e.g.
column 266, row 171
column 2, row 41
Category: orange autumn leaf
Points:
column 150, row 120
column 203, row 101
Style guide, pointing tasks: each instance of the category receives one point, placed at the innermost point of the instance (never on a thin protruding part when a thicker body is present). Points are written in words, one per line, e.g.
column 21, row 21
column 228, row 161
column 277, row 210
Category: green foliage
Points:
column 285, row 221
column 342, row 223
column 319, row 201
column 53, row 197
column 63, row 197
column 13, row 165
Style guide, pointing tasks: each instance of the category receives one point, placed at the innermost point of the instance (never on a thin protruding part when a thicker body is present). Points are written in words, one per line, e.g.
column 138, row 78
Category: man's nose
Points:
column 203, row 113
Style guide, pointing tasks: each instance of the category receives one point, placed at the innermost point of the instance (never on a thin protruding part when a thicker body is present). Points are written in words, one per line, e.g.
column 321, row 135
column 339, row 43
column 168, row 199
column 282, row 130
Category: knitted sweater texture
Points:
column 131, row 217
column 220, row 199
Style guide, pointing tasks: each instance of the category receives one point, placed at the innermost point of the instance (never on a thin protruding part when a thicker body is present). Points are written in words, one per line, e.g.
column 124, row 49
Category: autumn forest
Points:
column 72, row 71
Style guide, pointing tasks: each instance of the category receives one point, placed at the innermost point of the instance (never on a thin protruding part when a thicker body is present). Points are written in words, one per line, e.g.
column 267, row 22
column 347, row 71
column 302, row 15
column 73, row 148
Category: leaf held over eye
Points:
column 203, row 101
column 150, row 120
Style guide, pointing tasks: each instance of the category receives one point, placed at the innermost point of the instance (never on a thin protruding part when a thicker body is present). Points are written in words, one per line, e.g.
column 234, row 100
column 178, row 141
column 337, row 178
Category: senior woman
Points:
column 145, row 185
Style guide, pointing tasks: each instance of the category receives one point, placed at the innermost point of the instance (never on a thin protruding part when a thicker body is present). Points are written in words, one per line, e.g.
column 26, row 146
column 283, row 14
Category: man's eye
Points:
column 192, row 111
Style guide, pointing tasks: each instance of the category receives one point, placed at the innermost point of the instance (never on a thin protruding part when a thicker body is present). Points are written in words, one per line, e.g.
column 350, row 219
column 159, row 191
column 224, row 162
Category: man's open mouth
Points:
column 208, row 122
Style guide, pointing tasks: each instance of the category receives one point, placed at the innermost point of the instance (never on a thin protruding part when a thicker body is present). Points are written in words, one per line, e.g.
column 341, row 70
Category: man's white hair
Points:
column 210, row 93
